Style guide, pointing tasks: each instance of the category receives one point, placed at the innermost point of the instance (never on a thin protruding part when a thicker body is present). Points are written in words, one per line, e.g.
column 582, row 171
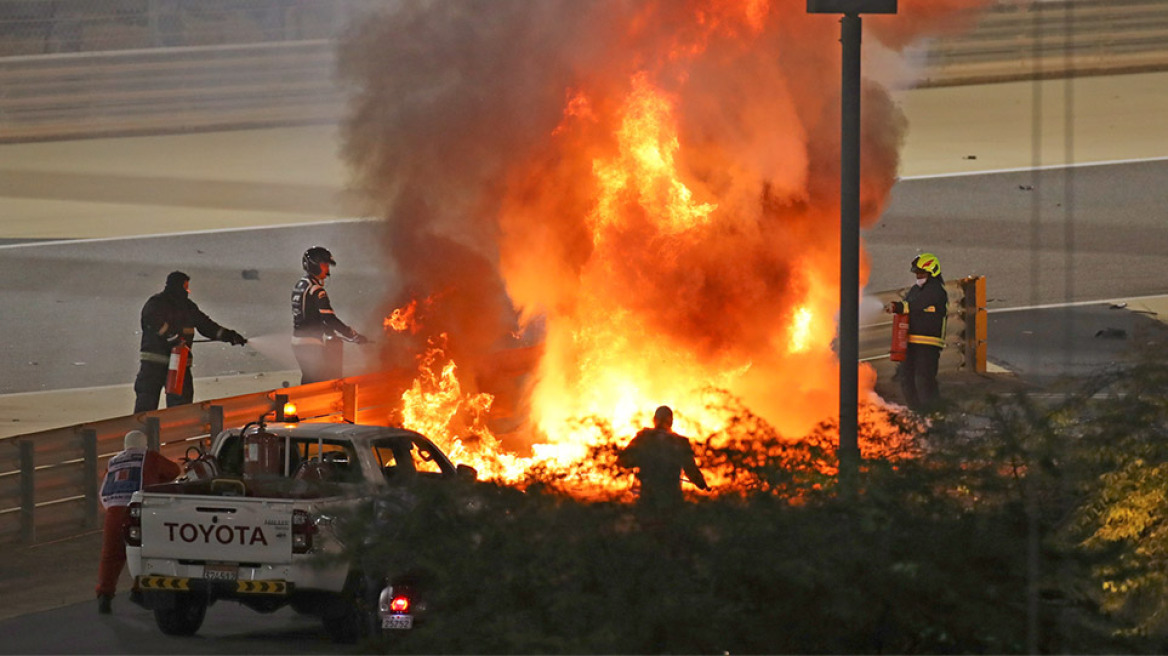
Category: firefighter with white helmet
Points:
column 926, row 305
column 127, row 472
column 316, row 330
column 169, row 319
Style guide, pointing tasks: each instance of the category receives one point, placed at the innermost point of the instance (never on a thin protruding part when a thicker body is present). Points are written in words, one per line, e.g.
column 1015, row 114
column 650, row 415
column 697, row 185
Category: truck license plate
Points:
column 398, row 622
column 220, row 572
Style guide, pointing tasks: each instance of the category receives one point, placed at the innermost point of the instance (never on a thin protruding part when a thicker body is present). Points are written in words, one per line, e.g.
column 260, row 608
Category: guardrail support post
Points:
column 27, row 492
column 349, row 402
column 280, row 400
column 89, row 447
column 153, row 433
column 215, row 418
column 973, row 316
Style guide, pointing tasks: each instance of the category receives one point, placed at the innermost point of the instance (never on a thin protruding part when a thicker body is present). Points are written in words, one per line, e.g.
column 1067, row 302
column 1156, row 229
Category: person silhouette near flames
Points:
column 660, row 456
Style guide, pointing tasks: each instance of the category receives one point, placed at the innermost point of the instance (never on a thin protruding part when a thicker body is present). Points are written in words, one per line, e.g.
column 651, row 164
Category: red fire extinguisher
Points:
column 176, row 374
column 262, row 454
column 899, row 338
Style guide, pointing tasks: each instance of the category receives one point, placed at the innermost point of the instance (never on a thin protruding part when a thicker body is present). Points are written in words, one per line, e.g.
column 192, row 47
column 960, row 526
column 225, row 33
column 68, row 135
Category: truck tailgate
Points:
column 221, row 529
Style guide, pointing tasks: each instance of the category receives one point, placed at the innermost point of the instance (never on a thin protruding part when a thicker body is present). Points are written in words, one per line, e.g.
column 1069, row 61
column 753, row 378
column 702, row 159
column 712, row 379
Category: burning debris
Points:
column 645, row 192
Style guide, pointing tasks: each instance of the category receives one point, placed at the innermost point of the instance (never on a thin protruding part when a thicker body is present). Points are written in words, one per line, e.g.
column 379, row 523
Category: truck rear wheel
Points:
column 355, row 616
column 183, row 618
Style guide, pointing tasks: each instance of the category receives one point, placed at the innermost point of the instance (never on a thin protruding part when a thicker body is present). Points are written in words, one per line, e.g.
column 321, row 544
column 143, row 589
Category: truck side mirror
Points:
column 466, row 473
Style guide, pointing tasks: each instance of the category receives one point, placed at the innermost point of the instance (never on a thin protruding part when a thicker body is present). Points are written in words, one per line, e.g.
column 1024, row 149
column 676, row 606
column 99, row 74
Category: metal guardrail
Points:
column 145, row 90
column 49, row 480
column 965, row 337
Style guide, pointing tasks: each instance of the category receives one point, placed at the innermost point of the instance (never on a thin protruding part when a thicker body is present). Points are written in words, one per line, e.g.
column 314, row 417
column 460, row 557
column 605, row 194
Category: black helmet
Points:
column 314, row 257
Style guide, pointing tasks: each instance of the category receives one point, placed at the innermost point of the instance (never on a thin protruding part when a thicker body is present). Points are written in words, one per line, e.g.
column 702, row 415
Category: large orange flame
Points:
column 437, row 406
column 652, row 185
column 608, row 354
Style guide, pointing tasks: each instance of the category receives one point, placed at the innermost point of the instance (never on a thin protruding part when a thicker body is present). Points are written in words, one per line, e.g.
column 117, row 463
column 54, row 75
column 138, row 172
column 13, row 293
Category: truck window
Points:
column 425, row 461
column 384, row 456
column 324, row 460
column 230, row 456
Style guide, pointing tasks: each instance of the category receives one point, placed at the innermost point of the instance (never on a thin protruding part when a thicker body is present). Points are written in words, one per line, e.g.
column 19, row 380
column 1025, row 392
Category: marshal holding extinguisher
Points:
column 170, row 321
column 917, row 348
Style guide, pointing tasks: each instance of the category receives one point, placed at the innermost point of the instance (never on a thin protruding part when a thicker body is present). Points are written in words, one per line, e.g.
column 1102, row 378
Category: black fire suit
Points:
column 927, row 308
column 660, row 456
column 315, row 332
column 168, row 319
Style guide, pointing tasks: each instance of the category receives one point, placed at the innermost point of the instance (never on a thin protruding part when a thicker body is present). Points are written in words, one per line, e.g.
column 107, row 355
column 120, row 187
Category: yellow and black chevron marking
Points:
column 261, row 587
column 163, row 583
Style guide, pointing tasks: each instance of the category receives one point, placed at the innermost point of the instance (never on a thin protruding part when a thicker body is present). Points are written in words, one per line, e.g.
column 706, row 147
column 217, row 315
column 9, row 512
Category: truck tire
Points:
column 355, row 617
column 183, row 618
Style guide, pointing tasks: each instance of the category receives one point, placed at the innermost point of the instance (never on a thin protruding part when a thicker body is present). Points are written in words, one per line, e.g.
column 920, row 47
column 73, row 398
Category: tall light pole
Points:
column 849, row 312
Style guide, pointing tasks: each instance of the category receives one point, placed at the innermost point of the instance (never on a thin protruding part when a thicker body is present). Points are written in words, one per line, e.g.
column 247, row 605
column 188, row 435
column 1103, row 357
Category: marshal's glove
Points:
column 358, row 338
column 234, row 338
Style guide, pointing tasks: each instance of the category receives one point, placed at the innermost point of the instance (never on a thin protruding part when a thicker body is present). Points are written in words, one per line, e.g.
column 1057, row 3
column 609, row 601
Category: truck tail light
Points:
column 302, row 530
column 132, row 533
column 394, row 601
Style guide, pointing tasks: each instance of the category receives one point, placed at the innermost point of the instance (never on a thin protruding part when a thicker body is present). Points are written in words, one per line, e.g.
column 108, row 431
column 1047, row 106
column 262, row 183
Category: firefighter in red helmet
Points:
column 926, row 305
column 169, row 319
column 127, row 472
column 316, row 330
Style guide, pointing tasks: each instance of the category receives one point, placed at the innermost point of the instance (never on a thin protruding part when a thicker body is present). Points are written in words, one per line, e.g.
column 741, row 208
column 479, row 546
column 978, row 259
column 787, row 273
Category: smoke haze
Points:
column 652, row 184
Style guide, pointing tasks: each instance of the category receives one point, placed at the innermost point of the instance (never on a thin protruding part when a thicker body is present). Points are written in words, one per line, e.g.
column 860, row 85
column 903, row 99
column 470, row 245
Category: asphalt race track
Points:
column 79, row 302
column 228, row 629
column 72, row 306
column 1040, row 237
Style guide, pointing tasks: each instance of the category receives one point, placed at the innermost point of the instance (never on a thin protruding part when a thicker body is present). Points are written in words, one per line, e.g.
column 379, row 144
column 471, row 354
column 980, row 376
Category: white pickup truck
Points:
column 253, row 532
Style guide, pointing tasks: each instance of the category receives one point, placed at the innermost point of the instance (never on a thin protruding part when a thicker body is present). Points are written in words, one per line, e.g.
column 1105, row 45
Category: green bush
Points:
column 1009, row 525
